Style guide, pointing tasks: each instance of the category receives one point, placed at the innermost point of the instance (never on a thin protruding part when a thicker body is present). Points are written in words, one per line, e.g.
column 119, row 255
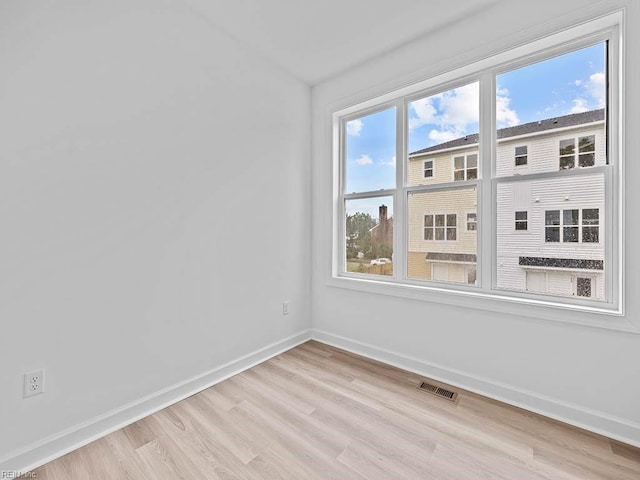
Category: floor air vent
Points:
column 439, row 391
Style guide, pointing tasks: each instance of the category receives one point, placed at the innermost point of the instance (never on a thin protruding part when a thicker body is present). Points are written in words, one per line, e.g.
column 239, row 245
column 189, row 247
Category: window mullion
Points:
column 486, row 195
column 400, row 197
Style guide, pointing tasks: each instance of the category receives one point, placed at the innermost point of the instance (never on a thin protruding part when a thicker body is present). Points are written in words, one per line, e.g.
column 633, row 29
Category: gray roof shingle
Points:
column 524, row 129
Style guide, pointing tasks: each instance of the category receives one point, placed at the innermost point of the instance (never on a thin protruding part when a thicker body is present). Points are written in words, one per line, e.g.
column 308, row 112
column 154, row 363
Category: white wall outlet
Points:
column 285, row 307
column 33, row 383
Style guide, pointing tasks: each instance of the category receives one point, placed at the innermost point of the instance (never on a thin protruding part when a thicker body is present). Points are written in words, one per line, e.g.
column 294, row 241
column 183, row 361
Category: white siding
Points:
column 559, row 194
column 543, row 150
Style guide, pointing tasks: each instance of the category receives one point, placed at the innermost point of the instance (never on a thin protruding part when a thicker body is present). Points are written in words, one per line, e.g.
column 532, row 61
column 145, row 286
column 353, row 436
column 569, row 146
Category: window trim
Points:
column 609, row 26
column 465, row 168
column 516, row 156
column 576, row 152
column 525, row 221
column 580, row 225
column 425, row 168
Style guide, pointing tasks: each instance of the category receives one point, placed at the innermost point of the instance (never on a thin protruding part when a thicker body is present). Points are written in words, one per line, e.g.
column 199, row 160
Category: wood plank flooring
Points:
column 317, row 412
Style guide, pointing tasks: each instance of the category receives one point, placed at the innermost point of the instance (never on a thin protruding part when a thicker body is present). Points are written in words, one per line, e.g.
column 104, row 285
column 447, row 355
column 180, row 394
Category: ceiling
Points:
column 315, row 40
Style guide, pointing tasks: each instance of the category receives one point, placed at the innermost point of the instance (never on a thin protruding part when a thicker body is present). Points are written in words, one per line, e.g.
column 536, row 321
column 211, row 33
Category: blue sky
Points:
column 571, row 83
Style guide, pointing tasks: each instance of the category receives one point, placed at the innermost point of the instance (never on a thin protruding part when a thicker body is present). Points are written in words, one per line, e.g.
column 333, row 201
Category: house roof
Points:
column 573, row 263
column 524, row 129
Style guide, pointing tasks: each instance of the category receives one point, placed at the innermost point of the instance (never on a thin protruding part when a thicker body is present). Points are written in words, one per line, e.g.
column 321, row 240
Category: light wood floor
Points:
column 316, row 412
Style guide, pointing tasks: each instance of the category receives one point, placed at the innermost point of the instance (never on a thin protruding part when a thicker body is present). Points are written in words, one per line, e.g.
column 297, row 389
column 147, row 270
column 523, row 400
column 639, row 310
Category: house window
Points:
column 585, row 151
column 590, row 225
column 583, row 287
column 565, row 225
column 482, row 121
column 465, row 167
column 441, row 227
column 521, row 156
column 472, row 222
column 521, row 220
column 428, row 168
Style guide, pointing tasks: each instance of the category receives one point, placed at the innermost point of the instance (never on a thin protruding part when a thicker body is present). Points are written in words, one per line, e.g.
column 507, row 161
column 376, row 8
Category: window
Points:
column 441, row 227
column 465, row 167
column 540, row 225
column 565, row 225
column 586, row 152
column 583, row 287
column 428, row 168
column 472, row 222
column 521, row 156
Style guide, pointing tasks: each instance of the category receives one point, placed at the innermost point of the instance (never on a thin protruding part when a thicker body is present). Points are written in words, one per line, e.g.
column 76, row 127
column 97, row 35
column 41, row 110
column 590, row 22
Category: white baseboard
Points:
column 43, row 451
column 576, row 415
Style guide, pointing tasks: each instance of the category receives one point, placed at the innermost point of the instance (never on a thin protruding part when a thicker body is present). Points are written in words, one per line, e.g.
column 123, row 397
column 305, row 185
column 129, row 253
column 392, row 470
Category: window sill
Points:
column 544, row 310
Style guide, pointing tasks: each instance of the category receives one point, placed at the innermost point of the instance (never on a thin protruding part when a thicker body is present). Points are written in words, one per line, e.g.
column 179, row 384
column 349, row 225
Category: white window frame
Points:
column 516, row 221
column 425, row 168
column 465, row 168
column 516, row 156
column 580, row 225
column 485, row 296
column 467, row 222
column 446, row 226
column 576, row 151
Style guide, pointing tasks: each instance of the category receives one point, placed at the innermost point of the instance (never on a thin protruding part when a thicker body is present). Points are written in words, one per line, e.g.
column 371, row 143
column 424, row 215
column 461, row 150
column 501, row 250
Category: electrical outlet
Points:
column 285, row 308
column 33, row 383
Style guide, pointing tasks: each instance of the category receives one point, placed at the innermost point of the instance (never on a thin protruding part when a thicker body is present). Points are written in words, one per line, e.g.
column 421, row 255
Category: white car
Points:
column 380, row 261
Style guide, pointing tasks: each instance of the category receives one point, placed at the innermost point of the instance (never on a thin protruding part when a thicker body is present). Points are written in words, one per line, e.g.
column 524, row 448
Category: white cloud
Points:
column 593, row 93
column 454, row 113
column 596, row 88
column 505, row 116
column 390, row 163
column 354, row 127
column 441, row 136
column 580, row 105
column 364, row 160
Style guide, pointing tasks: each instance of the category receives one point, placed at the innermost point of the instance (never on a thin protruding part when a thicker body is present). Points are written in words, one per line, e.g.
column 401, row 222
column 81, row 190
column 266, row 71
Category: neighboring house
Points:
column 550, row 231
column 382, row 232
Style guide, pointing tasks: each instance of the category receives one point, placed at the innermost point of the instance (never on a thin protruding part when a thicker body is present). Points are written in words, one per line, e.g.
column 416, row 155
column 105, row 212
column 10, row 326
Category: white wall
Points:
column 154, row 206
column 583, row 374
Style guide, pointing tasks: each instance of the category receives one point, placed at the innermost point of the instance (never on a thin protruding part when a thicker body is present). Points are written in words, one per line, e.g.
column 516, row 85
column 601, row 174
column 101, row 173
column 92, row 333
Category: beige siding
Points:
column 442, row 167
column 459, row 201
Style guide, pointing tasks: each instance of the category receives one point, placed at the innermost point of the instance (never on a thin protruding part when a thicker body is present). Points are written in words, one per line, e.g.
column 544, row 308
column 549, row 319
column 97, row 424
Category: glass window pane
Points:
column 437, row 124
column 369, row 235
column 583, row 287
column 552, row 217
column 591, row 234
column 552, row 234
column 558, row 105
column 521, row 151
column 587, row 144
column 521, row 215
column 561, row 241
column 570, row 217
column 370, row 152
column 452, row 253
column 590, row 216
column 567, row 162
column 567, row 147
column 428, row 220
column 587, row 160
column 472, row 161
column 570, row 234
column 472, row 174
